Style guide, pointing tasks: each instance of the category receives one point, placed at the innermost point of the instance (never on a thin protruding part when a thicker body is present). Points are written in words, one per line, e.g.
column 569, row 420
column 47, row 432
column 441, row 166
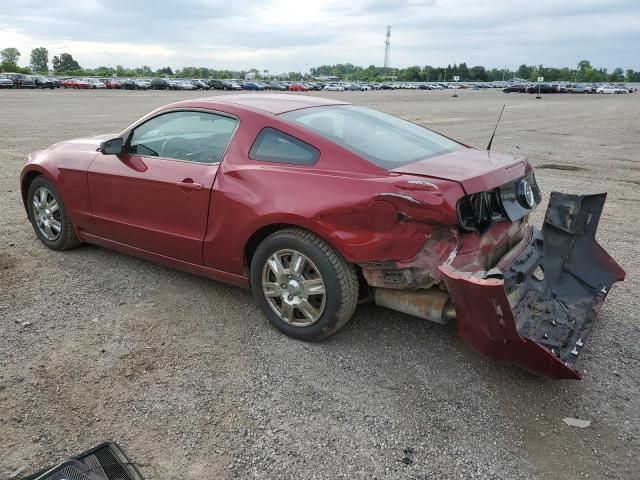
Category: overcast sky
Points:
column 294, row 35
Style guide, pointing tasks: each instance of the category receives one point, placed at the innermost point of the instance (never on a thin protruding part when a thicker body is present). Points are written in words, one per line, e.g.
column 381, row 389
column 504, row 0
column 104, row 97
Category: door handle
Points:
column 189, row 185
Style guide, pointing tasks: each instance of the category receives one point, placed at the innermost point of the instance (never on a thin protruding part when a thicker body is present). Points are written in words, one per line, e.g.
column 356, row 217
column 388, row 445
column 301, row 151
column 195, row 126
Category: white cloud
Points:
column 287, row 35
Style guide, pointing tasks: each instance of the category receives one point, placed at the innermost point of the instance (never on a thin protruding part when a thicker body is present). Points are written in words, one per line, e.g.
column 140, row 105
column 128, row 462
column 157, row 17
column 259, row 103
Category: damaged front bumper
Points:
column 537, row 306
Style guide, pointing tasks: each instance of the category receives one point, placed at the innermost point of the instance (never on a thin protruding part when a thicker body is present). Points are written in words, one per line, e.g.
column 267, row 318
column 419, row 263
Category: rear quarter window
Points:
column 272, row 145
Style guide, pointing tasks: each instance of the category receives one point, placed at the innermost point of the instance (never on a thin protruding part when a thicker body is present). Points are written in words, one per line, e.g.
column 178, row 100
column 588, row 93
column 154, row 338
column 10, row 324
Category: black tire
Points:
column 340, row 280
column 67, row 238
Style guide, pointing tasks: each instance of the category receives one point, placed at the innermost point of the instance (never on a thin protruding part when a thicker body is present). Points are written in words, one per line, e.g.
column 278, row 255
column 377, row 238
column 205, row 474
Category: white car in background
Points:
column 610, row 89
column 334, row 87
column 94, row 83
column 5, row 82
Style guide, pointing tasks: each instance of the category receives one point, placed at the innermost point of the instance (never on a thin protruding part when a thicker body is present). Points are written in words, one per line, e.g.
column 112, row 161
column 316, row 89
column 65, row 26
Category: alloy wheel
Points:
column 47, row 214
column 294, row 288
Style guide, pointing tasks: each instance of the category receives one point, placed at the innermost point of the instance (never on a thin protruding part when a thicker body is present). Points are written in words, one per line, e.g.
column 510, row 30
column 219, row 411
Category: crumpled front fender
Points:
column 537, row 308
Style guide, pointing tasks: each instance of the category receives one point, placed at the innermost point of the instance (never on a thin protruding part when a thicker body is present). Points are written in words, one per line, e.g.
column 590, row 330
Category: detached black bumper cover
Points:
column 536, row 309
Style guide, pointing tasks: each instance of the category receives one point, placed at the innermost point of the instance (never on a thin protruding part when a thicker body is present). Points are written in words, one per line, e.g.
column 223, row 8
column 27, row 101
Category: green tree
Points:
column 9, row 58
column 478, row 74
column 411, row 74
column 40, row 60
column 164, row 71
column 617, row 75
column 65, row 63
column 524, row 72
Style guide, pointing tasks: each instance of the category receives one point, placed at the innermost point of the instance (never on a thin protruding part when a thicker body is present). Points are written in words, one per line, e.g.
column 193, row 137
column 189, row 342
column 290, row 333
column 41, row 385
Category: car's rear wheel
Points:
column 304, row 287
column 49, row 216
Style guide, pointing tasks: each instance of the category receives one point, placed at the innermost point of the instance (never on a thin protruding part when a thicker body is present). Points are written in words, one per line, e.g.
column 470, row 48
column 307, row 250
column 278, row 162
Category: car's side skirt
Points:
column 231, row 278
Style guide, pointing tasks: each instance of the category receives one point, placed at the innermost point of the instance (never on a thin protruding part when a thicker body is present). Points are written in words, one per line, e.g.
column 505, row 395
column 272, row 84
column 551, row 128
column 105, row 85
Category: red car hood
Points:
column 475, row 170
column 82, row 144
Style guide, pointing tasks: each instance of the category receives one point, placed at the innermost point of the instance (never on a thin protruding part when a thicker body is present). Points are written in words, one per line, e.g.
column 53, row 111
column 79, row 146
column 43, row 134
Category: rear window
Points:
column 384, row 140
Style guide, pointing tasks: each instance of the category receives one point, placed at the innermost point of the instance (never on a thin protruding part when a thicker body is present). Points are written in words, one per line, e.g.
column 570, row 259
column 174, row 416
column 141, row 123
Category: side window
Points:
column 272, row 145
column 199, row 137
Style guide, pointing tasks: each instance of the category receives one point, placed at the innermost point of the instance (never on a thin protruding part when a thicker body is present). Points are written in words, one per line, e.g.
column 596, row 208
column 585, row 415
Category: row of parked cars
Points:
column 569, row 88
column 26, row 81
column 19, row 80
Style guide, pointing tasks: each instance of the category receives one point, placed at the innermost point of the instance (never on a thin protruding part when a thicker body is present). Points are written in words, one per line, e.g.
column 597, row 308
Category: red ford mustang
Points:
column 317, row 204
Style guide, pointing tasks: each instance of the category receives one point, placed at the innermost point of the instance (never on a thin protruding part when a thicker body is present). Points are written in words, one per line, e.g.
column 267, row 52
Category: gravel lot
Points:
column 190, row 379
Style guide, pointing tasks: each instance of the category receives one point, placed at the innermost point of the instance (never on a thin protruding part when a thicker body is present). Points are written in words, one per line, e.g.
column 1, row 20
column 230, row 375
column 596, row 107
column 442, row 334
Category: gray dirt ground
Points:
column 190, row 379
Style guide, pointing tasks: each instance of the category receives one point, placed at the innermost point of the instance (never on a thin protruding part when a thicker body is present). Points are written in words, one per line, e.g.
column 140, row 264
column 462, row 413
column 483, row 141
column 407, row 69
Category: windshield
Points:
column 384, row 140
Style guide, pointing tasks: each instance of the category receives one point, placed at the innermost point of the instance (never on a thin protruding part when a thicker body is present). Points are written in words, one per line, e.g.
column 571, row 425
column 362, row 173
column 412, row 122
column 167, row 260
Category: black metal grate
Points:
column 106, row 461
column 69, row 470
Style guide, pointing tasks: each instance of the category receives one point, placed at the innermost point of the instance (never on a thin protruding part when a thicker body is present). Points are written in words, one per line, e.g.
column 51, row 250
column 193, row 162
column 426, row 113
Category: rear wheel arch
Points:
column 263, row 232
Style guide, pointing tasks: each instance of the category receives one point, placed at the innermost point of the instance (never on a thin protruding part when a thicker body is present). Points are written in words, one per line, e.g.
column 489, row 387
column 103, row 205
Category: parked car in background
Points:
column 174, row 84
column 94, row 83
column 610, row 89
column 200, row 85
column 334, row 87
column 142, row 84
column 628, row 88
column 544, row 88
column 135, row 84
column 224, row 85
column 278, row 86
column 43, row 82
column 20, row 80
column 160, row 84
column 252, row 86
column 5, row 82
column 186, row 85
column 575, row 88
column 298, row 87
column 111, row 83
column 424, row 86
column 76, row 84
column 515, row 88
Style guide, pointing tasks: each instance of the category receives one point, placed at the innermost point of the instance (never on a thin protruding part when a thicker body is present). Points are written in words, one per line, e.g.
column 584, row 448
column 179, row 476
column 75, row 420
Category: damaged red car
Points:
column 318, row 205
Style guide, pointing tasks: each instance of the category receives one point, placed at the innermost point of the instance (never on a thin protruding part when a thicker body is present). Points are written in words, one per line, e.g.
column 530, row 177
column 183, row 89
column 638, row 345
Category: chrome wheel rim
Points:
column 294, row 288
column 46, row 213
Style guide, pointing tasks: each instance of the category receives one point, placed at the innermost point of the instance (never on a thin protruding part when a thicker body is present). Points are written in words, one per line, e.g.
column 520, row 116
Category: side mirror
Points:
column 115, row 146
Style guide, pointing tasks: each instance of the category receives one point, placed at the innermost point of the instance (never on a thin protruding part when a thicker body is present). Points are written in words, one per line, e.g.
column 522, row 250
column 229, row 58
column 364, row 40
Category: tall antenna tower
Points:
column 387, row 48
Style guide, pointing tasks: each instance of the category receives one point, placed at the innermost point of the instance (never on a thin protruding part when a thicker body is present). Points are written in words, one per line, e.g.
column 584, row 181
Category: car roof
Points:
column 274, row 103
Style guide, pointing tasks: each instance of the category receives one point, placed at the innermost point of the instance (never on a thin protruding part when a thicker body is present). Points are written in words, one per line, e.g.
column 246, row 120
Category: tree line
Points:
column 65, row 64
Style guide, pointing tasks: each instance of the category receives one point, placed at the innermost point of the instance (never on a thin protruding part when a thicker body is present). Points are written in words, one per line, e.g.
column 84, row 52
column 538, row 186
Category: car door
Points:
column 155, row 195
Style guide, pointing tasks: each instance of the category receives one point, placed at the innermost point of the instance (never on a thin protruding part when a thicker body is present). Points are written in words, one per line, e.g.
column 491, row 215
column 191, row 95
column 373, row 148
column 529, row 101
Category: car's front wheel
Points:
column 49, row 216
column 305, row 288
